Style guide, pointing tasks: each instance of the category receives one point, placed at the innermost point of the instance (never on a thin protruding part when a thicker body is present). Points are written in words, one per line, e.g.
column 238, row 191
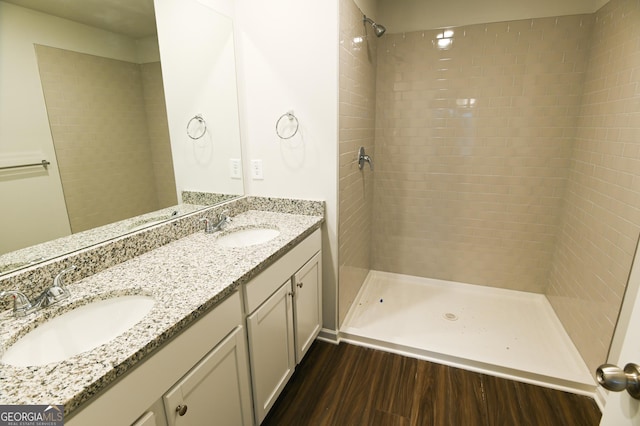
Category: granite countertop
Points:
column 186, row 278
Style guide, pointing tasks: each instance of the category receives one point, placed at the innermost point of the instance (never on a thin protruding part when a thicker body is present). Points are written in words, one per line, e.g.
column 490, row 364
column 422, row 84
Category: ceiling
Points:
column 134, row 18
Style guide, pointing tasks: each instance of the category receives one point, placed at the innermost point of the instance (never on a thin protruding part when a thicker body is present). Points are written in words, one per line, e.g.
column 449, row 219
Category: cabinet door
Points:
column 216, row 390
column 271, row 346
column 307, row 285
column 147, row 419
column 154, row 416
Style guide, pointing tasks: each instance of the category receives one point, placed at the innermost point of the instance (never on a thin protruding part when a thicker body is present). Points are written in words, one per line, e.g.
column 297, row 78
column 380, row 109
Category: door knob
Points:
column 613, row 378
column 181, row 409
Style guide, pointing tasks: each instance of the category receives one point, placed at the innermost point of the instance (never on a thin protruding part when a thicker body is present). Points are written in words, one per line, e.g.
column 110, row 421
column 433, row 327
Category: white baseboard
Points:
column 329, row 336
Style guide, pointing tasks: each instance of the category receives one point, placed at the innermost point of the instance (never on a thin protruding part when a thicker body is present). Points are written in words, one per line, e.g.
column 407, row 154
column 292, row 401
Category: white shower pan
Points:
column 505, row 333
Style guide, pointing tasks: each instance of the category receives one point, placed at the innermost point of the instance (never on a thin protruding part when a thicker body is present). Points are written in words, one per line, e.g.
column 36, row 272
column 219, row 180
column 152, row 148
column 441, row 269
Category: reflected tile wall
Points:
column 472, row 149
column 98, row 121
column 357, row 128
column 158, row 128
column 601, row 217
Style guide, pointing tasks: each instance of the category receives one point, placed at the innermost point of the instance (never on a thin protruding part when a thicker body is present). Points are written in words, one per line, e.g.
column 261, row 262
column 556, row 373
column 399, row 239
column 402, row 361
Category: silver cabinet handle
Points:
column 613, row 378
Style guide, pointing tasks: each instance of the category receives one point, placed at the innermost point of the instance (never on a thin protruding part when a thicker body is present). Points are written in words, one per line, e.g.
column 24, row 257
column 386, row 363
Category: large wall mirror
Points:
column 129, row 142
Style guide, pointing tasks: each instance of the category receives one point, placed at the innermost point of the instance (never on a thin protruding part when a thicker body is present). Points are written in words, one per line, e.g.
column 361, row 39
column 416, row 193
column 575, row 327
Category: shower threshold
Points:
column 505, row 333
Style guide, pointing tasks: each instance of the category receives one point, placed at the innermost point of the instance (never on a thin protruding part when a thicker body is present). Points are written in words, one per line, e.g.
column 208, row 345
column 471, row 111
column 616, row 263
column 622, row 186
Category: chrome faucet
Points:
column 221, row 221
column 22, row 306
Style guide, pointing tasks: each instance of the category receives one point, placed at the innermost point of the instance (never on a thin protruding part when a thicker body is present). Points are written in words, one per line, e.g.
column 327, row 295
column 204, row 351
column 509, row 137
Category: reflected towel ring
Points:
column 291, row 117
column 202, row 122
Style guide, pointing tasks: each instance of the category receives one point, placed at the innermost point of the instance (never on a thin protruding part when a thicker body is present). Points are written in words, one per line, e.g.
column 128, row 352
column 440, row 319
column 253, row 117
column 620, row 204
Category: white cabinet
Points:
column 148, row 419
column 215, row 390
column 285, row 315
column 154, row 416
column 205, row 364
column 307, row 308
column 271, row 344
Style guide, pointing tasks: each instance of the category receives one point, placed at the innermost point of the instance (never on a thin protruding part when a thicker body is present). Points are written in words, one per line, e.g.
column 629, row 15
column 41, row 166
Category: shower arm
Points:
column 377, row 28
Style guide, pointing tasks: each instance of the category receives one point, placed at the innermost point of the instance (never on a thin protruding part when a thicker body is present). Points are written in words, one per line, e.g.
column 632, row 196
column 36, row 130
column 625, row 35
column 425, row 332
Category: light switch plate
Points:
column 235, row 168
column 256, row 170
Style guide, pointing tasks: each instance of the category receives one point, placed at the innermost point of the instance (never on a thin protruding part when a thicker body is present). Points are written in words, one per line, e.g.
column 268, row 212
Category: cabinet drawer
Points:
column 268, row 281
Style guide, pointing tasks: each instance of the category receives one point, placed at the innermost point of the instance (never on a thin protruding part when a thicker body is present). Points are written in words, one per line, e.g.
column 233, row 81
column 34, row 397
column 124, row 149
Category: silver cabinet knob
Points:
column 181, row 409
column 300, row 285
column 613, row 378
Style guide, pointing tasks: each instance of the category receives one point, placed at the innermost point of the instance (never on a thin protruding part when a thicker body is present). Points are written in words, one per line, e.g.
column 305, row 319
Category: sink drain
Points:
column 451, row 317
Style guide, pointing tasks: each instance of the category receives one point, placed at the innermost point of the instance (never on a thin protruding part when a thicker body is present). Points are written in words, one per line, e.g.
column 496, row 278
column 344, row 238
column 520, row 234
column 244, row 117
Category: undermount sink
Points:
column 247, row 237
column 79, row 330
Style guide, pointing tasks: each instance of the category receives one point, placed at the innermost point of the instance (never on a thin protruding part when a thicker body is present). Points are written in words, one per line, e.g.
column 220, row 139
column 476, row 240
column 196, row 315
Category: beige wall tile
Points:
column 599, row 226
column 158, row 129
column 357, row 128
column 472, row 160
column 513, row 160
column 98, row 120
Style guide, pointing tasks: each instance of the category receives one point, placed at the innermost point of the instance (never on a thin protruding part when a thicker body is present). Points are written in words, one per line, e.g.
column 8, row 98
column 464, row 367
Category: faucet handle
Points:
column 57, row 291
column 223, row 219
column 21, row 303
column 58, row 280
column 207, row 225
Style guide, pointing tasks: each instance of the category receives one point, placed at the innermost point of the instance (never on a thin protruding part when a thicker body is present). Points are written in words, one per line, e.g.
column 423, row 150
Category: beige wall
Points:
column 601, row 217
column 98, row 121
column 472, row 149
column 356, row 125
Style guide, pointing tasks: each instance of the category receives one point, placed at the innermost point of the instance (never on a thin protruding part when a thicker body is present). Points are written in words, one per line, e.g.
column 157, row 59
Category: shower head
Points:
column 377, row 28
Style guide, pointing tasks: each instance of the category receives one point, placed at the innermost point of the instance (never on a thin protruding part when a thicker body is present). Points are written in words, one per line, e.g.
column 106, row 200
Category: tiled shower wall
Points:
column 473, row 145
column 601, row 217
column 98, row 120
column 356, row 125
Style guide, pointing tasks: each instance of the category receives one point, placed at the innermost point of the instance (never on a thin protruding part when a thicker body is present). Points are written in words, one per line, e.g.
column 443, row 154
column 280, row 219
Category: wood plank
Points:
column 351, row 385
column 520, row 403
column 395, row 384
column 449, row 396
column 503, row 405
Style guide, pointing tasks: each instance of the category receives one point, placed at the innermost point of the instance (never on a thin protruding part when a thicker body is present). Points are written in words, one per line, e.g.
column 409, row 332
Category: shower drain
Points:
column 451, row 317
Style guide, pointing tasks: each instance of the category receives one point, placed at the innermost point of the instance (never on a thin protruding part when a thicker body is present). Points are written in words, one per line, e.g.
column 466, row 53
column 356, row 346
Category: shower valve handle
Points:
column 362, row 157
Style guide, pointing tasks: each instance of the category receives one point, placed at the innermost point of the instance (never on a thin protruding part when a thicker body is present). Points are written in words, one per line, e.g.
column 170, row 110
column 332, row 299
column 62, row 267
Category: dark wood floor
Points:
column 352, row 385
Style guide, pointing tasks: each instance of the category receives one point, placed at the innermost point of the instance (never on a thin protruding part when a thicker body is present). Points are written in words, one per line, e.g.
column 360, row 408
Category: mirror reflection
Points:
column 82, row 88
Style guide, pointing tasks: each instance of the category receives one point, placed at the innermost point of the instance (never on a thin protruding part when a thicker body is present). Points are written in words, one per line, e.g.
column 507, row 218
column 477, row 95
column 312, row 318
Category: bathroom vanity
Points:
column 231, row 320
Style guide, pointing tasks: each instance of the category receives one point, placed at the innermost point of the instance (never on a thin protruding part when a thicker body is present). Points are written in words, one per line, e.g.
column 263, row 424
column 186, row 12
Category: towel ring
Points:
column 290, row 116
column 199, row 118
